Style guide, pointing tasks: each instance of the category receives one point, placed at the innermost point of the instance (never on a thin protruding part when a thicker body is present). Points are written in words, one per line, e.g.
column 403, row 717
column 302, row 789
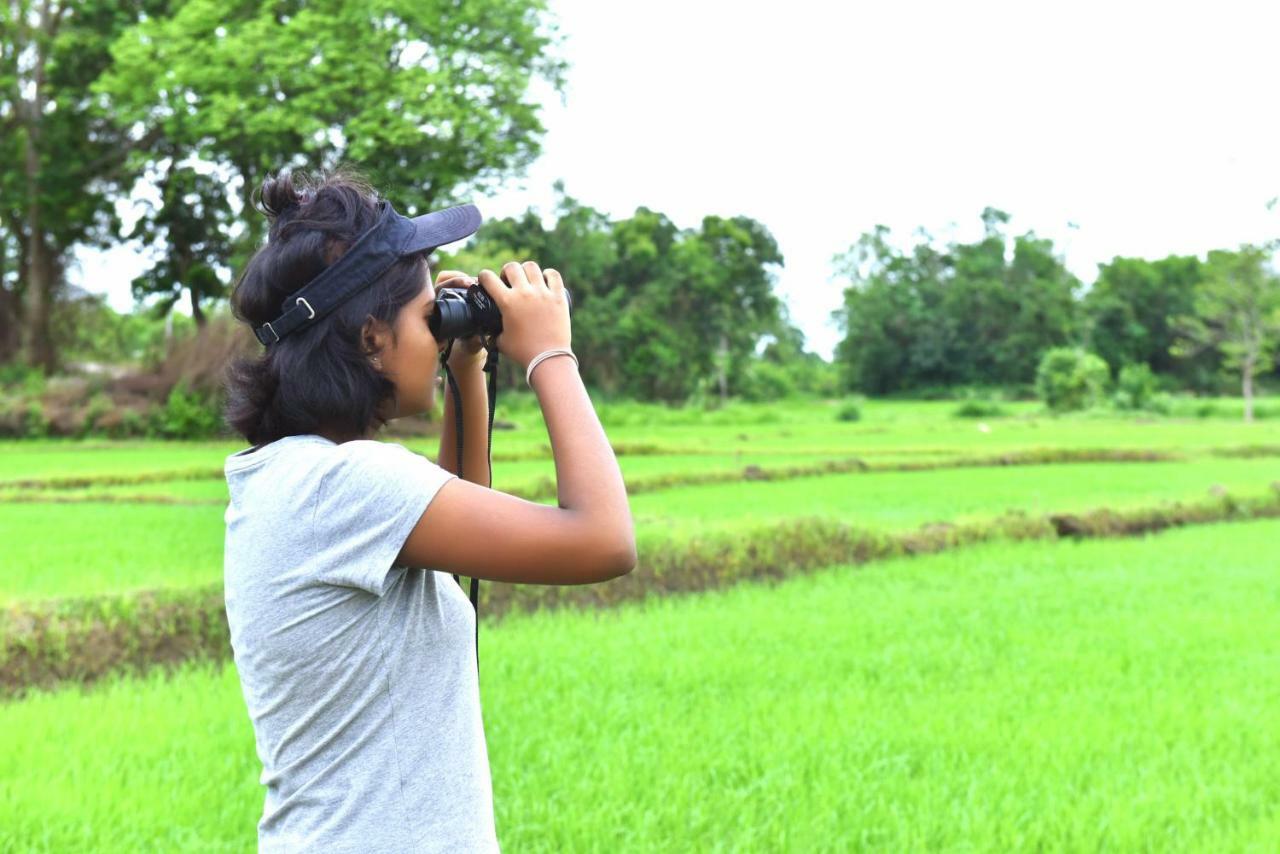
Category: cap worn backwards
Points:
column 391, row 238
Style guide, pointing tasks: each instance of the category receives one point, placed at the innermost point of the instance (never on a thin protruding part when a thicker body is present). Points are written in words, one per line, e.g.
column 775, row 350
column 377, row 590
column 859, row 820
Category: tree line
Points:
column 985, row 313
column 202, row 99
column 659, row 312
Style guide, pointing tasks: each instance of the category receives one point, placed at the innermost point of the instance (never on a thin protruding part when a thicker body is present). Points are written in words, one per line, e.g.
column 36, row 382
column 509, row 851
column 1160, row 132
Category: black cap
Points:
column 391, row 238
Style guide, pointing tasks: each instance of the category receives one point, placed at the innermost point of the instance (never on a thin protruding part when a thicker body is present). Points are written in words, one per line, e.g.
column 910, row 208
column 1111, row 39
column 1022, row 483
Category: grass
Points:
column 804, row 427
column 1107, row 695
column 1104, row 695
column 102, row 548
column 895, row 500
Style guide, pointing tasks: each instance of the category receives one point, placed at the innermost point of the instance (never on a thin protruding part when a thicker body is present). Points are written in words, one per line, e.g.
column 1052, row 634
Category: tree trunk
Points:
column 723, row 369
column 41, row 272
column 39, row 268
column 1247, row 384
column 197, row 313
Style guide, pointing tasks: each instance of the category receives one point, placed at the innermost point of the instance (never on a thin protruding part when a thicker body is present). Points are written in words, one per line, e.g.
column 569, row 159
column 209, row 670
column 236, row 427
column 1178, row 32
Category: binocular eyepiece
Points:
column 462, row 314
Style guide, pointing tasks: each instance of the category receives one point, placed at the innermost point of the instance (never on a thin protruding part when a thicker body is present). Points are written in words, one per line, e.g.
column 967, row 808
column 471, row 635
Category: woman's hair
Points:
column 318, row 379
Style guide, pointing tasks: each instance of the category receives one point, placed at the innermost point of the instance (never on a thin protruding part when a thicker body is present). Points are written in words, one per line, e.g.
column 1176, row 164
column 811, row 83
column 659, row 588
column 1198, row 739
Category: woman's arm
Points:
column 475, row 425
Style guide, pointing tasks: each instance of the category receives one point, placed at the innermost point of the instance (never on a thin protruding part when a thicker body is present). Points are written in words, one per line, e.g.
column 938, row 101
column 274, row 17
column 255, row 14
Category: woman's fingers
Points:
column 515, row 275
column 445, row 275
column 553, row 279
column 494, row 287
column 534, row 274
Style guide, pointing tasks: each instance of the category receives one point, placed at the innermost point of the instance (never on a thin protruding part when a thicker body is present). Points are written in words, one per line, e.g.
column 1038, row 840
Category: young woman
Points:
column 354, row 645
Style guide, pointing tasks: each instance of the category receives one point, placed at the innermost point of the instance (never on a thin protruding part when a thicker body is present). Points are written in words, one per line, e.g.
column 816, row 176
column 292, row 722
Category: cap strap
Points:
column 369, row 257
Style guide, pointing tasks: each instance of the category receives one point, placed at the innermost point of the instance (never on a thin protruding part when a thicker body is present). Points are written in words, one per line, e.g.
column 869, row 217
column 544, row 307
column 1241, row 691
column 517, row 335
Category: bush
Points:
column 976, row 407
column 1136, row 387
column 851, row 410
column 21, row 418
column 187, row 415
column 1161, row 403
column 21, row 378
column 763, row 381
column 98, row 406
column 1069, row 379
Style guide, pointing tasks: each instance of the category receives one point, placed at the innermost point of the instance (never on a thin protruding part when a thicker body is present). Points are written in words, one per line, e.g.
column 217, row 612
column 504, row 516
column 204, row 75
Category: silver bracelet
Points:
column 545, row 354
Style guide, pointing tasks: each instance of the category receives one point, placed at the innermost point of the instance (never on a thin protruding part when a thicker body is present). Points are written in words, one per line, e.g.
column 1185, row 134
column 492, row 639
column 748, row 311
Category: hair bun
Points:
column 279, row 196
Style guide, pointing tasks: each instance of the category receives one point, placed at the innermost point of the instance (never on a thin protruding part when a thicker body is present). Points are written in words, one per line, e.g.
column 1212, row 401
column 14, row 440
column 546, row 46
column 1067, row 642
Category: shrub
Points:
column 98, row 406
column 22, row 418
column 764, row 380
column 1069, row 378
column 21, row 379
column 851, row 410
column 1136, row 387
column 1161, row 403
column 187, row 415
column 977, row 407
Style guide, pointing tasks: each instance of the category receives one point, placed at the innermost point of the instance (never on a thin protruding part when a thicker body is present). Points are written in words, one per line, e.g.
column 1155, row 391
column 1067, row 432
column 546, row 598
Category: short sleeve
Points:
column 367, row 503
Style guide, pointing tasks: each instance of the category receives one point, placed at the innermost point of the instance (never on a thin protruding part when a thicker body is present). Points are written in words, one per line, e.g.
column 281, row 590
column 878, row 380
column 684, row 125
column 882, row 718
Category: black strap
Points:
column 371, row 255
column 490, row 368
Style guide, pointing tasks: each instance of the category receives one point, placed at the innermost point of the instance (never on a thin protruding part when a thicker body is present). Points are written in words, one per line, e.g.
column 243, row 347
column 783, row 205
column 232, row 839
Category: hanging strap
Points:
column 490, row 368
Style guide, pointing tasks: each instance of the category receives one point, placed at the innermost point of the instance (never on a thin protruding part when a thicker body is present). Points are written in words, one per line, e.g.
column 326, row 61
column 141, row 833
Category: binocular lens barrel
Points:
column 471, row 312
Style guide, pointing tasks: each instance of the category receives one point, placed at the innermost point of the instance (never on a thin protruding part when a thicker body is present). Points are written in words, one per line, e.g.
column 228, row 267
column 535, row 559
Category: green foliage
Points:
column 850, row 410
column 425, row 98
column 1130, row 310
column 978, row 407
column 1070, row 378
column 89, row 330
column 966, row 313
column 659, row 313
column 187, row 415
column 22, row 418
column 1237, row 312
column 22, row 378
column 51, row 53
column 1136, row 387
column 764, row 380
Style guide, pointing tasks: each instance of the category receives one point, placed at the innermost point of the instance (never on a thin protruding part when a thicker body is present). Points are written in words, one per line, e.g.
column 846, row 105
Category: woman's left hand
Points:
column 467, row 353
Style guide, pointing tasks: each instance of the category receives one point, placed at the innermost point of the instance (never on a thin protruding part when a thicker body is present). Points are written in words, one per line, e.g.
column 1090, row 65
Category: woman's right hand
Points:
column 535, row 312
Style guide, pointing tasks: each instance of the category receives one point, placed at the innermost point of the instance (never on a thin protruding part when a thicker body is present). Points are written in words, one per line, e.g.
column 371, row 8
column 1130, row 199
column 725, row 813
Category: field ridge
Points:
column 85, row 639
column 545, row 487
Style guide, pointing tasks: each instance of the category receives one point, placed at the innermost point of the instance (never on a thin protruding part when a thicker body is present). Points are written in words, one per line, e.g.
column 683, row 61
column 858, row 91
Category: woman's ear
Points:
column 375, row 337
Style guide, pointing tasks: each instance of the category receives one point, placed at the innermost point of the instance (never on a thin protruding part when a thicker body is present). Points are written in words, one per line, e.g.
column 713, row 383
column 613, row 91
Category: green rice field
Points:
column 1108, row 694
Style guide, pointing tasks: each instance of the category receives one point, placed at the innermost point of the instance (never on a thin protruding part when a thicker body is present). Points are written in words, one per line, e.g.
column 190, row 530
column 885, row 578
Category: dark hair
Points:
column 318, row 379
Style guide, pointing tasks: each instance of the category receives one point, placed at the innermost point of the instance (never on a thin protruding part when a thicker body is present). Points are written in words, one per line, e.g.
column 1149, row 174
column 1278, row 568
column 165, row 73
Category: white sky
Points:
column 1113, row 128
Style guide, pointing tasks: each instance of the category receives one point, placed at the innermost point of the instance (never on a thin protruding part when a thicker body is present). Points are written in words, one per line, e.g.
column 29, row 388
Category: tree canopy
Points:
column 660, row 313
column 203, row 99
column 964, row 313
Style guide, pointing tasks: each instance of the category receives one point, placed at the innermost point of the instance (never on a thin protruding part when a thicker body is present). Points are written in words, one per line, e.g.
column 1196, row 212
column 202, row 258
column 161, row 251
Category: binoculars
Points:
column 461, row 314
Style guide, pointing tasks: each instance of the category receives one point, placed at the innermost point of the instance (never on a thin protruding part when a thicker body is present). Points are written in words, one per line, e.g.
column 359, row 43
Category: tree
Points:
column 580, row 245
column 1069, row 378
column 1129, row 312
column 191, row 228
column 659, row 312
column 429, row 99
column 62, row 158
column 1237, row 310
column 980, row 312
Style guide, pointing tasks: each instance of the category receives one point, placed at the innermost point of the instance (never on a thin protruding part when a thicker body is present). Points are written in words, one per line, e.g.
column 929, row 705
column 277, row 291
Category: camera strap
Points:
column 490, row 368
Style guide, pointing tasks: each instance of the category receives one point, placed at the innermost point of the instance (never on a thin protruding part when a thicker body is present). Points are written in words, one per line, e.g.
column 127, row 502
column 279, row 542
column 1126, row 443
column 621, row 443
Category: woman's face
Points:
column 410, row 358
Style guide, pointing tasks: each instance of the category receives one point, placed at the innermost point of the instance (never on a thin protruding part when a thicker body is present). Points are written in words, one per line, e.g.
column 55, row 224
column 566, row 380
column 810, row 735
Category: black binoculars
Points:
column 461, row 314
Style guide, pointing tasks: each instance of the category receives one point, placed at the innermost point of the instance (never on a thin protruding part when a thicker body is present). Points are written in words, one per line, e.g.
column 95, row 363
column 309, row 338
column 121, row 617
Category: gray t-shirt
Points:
column 359, row 676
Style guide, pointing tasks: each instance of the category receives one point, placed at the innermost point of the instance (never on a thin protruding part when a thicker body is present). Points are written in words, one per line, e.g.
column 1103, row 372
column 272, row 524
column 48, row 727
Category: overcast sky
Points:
column 1112, row 128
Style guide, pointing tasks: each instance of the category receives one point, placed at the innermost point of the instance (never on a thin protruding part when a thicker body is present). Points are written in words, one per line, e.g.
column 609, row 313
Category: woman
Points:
column 354, row 645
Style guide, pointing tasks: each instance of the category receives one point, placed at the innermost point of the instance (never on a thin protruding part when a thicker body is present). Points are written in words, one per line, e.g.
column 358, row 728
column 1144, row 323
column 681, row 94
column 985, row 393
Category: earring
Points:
column 377, row 363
